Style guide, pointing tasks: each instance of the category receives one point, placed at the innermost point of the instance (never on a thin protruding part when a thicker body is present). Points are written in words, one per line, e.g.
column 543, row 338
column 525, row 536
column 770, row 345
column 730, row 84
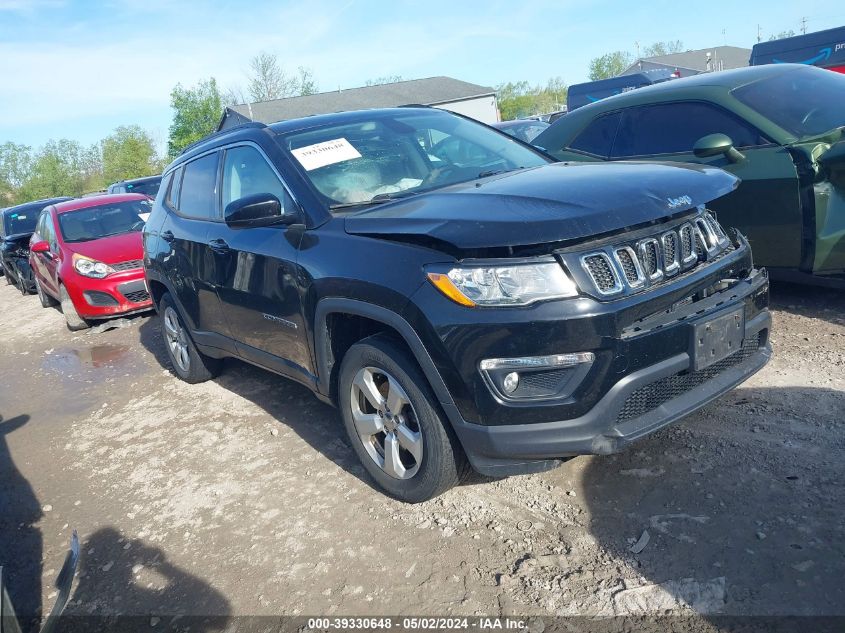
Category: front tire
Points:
column 46, row 300
column 74, row 321
column 394, row 423
column 187, row 361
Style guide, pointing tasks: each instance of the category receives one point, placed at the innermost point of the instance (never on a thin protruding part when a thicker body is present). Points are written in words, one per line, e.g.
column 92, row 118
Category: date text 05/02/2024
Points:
column 416, row 623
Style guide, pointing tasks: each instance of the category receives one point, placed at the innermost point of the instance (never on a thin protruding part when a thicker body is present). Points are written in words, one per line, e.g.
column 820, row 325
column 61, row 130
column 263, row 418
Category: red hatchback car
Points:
column 87, row 255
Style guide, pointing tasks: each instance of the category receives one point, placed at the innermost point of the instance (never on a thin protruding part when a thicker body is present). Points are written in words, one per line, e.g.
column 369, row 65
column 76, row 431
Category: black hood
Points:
column 553, row 203
column 19, row 239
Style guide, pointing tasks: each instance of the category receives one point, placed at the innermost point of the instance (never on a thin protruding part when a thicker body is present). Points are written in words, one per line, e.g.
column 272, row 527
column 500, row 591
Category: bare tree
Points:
column 268, row 80
column 378, row 81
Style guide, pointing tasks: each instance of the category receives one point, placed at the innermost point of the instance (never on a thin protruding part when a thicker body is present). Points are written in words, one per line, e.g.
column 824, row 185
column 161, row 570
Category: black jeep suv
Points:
column 461, row 298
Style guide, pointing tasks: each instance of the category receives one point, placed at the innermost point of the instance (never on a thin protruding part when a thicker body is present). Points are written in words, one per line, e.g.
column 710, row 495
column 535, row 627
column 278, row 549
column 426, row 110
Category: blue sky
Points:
column 77, row 69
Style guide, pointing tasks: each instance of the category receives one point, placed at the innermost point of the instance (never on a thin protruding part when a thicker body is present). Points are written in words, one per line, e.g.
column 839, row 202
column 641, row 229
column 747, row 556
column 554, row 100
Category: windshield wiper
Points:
column 376, row 199
column 496, row 172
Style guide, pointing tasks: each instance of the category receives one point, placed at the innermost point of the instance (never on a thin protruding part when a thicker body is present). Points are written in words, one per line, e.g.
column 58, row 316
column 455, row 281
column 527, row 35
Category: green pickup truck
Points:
column 779, row 128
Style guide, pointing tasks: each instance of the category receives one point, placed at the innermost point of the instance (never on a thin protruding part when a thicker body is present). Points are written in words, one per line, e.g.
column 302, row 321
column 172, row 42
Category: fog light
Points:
column 536, row 378
column 511, row 382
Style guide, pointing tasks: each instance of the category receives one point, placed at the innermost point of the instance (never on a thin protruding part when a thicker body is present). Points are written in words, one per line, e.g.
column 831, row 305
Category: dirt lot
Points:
column 241, row 495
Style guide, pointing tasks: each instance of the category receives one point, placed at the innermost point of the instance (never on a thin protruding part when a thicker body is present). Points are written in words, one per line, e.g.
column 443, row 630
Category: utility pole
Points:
column 804, row 25
column 759, row 34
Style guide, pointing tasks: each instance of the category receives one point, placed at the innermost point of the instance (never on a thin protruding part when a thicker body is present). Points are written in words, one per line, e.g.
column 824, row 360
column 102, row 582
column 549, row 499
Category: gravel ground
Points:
column 240, row 496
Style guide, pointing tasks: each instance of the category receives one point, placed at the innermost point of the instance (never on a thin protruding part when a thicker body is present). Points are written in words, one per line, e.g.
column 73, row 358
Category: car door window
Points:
column 597, row 137
column 672, row 128
column 198, row 196
column 50, row 233
column 246, row 172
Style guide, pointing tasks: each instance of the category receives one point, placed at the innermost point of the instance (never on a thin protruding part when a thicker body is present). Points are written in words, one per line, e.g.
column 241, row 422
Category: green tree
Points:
column 58, row 169
column 610, row 65
column 196, row 113
column 307, row 83
column 92, row 169
column 15, row 163
column 128, row 152
column 521, row 99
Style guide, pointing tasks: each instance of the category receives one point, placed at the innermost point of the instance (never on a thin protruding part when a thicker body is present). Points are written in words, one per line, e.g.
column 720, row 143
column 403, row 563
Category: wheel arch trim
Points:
column 353, row 307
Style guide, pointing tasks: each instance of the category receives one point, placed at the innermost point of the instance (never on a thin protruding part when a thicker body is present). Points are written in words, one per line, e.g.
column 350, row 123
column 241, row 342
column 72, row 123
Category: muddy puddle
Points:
column 85, row 371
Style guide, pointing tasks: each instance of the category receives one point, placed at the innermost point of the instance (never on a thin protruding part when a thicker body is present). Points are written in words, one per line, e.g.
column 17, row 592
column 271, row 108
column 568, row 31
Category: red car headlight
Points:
column 91, row 267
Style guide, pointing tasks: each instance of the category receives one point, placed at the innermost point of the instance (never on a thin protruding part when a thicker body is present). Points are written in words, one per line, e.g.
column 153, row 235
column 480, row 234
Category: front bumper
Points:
column 118, row 294
column 622, row 416
column 643, row 378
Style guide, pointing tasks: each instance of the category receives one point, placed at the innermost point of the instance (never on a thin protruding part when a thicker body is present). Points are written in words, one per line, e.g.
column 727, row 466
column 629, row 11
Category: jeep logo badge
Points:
column 674, row 203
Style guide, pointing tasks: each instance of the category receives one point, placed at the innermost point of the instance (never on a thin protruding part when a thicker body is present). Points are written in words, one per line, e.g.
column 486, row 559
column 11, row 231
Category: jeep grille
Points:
column 632, row 266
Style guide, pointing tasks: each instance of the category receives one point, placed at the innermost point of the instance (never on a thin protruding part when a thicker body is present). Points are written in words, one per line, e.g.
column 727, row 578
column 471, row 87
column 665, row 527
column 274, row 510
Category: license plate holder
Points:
column 717, row 338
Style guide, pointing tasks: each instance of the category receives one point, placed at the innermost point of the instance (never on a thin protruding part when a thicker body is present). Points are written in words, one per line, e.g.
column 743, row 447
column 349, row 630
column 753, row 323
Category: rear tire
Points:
column 21, row 283
column 186, row 360
column 74, row 321
column 410, row 450
column 46, row 300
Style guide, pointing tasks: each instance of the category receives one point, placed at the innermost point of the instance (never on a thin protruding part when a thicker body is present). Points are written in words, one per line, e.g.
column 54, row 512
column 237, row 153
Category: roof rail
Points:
column 213, row 135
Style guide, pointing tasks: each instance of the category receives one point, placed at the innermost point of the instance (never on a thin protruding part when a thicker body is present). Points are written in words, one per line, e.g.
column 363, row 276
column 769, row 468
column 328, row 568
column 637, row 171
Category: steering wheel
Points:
column 137, row 226
column 437, row 173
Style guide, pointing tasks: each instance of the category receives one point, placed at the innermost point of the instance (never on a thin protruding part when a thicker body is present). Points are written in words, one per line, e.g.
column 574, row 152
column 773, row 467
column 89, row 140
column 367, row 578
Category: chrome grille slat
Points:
column 630, row 265
column 671, row 263
column 650, row 257
column 601, row 271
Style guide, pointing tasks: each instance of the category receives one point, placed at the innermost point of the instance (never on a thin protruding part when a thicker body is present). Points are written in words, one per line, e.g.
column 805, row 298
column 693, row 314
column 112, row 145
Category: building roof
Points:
column 430, row 91
column 722, row 58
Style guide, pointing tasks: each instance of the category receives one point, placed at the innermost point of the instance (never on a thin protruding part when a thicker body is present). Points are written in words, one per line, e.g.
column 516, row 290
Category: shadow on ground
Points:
column 136, row 580
column 809, row 301
column 742, row 503
column 284, row 400
column 20, row 540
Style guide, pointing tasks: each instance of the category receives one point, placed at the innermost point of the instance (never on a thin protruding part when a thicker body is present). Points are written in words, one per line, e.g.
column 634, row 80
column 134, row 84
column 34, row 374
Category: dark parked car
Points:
column 147, row 186
column 778, row 128
column 485, row 306
column 16, row 227
column 523, row 130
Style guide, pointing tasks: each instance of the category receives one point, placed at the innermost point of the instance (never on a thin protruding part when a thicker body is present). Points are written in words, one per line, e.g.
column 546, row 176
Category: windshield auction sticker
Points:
column 327, row 153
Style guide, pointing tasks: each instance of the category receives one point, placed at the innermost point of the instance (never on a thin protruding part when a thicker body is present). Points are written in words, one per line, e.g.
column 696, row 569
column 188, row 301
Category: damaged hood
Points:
column 552, row 203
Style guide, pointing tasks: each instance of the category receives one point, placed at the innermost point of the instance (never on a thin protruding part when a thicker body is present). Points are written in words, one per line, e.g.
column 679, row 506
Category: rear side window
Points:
column 198, row 196
column 597, row 137
column 173, row 192
column 673, row 128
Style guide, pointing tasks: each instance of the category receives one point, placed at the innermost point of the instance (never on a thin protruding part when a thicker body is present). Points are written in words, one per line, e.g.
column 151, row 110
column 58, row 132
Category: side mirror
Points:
column 717, row 145
column 260, row 209
column 42, row 246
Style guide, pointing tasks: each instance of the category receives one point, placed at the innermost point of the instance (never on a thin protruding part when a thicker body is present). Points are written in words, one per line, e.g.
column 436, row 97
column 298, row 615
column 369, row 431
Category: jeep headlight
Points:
column 514, row 285
column 91, row 267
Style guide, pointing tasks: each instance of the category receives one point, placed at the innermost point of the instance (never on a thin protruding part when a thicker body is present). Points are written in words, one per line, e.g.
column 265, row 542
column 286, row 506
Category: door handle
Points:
column 219, row 246
column 168, row 236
